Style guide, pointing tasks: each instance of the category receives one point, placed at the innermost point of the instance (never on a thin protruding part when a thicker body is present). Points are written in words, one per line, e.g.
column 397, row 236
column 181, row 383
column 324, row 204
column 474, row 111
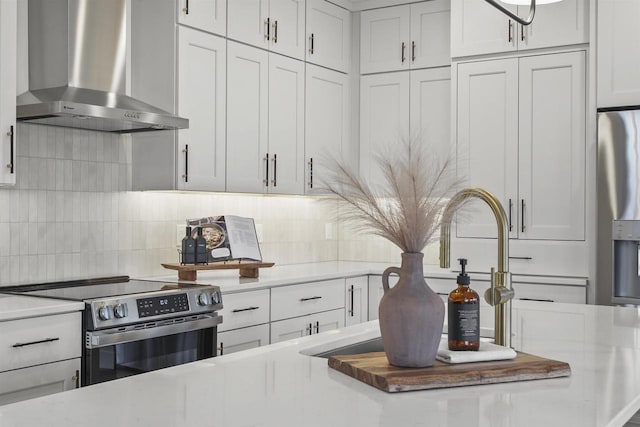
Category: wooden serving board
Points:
column 248, row 269
column 375, row 370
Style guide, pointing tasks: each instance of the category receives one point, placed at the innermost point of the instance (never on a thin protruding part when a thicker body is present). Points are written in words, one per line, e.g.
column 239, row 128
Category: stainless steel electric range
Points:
column 135, row 326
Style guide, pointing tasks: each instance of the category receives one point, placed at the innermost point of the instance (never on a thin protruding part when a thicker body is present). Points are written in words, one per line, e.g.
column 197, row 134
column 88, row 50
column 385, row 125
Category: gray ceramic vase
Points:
column 411, row 316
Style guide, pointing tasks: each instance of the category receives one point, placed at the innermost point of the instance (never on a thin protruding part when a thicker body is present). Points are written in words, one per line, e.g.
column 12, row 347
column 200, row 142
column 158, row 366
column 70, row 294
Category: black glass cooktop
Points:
column 88, row 291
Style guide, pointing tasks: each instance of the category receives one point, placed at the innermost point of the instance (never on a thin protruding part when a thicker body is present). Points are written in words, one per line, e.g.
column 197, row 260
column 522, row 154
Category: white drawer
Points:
column 300, row 300
column 244, row 309
column 243, row 339
column 37, row 340
column 550, row 292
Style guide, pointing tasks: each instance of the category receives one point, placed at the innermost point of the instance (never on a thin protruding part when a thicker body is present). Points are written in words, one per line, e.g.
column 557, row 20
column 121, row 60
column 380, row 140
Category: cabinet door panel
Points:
column 552, row 146
column 206, row 15
column 243, row 339
column 37, row 381
column 357, row 293
column 8, row 52
column 327, row 101
column 384, row 118
column 247, row 22
column 247, row 117
column 555, row 24
column 618, row 53
column 430, row 120
column 382, row 34
column 328, row 321
column 286, row 125
column 330, row 27
column 487, row 143
column 287, row 18
column 201, row 98
column 479, row 28
column 430, row 31
column 291, row 328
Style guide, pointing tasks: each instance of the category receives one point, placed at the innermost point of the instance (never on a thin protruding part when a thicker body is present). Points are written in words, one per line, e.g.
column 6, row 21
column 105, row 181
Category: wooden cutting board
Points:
column 375, row 370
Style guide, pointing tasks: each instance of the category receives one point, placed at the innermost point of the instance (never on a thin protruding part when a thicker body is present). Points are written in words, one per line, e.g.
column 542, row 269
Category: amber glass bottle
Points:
column 464, row 314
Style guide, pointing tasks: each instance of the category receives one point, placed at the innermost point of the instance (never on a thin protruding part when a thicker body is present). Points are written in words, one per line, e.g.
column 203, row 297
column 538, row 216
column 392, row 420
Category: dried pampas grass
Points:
column 406, row 207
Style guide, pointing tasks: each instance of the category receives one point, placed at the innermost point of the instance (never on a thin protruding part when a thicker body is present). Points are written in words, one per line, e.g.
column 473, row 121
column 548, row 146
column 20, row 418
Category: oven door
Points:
column 122, row 352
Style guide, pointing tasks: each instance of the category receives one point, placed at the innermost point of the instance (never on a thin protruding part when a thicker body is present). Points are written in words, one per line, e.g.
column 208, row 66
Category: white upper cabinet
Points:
column 328, row 100
column 205, row 15
column 201, row 98
column 478, row 28
column 403, row 37
column 8, row 58
column 618, row 53
column 521, row 135
column 265, row 127
column 277, row 25
column 328, row 35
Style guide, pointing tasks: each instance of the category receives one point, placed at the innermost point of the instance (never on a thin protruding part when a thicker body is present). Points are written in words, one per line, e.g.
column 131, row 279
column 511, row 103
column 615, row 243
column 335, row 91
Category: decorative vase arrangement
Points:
column 406, row 209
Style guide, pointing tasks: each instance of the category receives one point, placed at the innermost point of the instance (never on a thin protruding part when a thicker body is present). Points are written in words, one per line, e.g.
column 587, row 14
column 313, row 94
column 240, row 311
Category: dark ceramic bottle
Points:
column 188, row 254
column 201, row 248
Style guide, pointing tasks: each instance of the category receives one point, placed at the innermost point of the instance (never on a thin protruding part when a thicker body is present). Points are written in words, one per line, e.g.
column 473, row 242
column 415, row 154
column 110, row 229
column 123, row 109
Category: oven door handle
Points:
column 105, row 338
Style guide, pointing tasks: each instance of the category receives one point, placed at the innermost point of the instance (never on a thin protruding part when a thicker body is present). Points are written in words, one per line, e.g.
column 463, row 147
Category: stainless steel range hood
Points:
column 77, row 70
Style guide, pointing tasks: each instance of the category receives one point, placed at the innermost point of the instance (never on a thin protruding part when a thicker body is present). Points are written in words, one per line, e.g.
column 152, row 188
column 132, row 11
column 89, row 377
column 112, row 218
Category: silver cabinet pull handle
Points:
column 10, row 134
column 311, row 172
column 522, row 32
column 267, row 24
column 317, row 327
column 185, row 175
column 522, row 214
column 351, row 310
column 275, row 31
column 402, row 52
column 510, row 209
column 525, row 258
column 266, row 175
column 309, row 329
column 239, row 310
column 275, row 170
column 310, row 298
column 24, row 344
column 221, row 349
column 311, row 39
column 185, row 9
column 510, row 31
column 413, row 51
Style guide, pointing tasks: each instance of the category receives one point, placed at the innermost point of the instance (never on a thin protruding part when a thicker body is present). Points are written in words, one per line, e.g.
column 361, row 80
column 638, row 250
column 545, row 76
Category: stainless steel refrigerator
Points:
column 618, row 239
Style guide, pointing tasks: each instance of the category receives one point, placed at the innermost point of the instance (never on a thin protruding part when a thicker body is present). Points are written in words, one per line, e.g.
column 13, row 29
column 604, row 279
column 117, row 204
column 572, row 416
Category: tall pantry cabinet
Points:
column 8, row 58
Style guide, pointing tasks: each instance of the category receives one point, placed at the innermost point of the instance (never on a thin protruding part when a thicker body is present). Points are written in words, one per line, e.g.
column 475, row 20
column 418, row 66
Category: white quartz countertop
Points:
column 278, row 386
column 279, row 275
column 14, row 307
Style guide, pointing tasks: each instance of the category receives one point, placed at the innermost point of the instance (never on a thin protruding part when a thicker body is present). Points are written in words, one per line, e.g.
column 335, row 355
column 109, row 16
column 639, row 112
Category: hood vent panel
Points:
column 77, row 63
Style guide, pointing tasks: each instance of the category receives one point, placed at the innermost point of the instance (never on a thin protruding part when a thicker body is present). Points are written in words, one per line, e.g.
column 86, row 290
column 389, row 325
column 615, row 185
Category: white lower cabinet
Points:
column 37, row 381
column 357, row 300
column 550, row 292
column 307, row 298
column 242, row 339
column 306, row 325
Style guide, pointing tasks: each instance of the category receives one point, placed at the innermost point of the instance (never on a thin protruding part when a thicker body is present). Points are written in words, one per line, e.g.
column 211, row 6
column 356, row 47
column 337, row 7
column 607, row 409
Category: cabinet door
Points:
column 206, row 15
column 247, row 117
column 286, row 125
column 328, row 35
column 430, row 34
column 555, row 24
column 552, row 146
column 327, row 101
column 487, row 144
column 242, row 339
column 37, row 381
column 385, row 39
column 618, row 53
column 201, row 98
column 287, row 18
column 430, row 120
column 8, row 58
column 384, row 119
column 289, row 329
column 248, row 22
column 328, row 321
column 478, row 28
column 357, row 302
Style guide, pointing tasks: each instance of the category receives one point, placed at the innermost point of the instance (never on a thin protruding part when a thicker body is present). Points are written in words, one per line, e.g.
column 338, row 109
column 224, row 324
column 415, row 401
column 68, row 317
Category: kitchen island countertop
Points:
column 276, row 385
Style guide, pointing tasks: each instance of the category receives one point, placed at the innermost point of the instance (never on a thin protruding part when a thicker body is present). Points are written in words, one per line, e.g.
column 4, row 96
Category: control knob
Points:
column 120, row 311
column 216, row 298
column 204, row 299
column 104, row 312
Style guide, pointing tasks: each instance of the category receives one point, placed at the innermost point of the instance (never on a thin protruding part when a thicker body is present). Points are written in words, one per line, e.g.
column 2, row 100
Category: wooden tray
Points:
column 248, row 269
column 375, row 370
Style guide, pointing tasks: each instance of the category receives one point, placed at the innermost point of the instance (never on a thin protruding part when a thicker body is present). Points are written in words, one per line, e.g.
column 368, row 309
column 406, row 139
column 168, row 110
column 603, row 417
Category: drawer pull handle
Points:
column 528, row 258
column 238, row 310
column 536, row 299
column 24, row 344
column 309, row 299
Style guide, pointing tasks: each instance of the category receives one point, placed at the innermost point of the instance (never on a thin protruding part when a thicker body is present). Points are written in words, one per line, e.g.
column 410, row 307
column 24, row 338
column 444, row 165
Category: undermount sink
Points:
column 367, row 346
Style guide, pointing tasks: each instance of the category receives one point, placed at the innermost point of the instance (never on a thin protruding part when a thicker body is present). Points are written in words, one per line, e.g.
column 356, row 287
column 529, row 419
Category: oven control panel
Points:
column 153, row 306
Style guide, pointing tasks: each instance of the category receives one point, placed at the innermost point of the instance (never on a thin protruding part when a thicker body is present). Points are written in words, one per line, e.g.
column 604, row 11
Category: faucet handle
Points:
column 498, row 293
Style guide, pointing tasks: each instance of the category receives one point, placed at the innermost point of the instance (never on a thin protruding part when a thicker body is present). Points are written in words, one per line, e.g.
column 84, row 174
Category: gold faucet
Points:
column 500, row 294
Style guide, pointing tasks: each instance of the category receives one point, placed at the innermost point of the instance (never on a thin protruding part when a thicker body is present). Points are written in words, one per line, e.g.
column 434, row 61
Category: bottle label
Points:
column 464, row 322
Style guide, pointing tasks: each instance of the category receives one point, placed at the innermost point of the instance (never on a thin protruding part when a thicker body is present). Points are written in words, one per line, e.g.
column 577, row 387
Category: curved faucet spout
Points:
column 500, row 294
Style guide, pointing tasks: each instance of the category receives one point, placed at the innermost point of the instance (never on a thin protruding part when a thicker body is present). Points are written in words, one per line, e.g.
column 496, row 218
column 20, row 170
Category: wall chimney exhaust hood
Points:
column 77, row 70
